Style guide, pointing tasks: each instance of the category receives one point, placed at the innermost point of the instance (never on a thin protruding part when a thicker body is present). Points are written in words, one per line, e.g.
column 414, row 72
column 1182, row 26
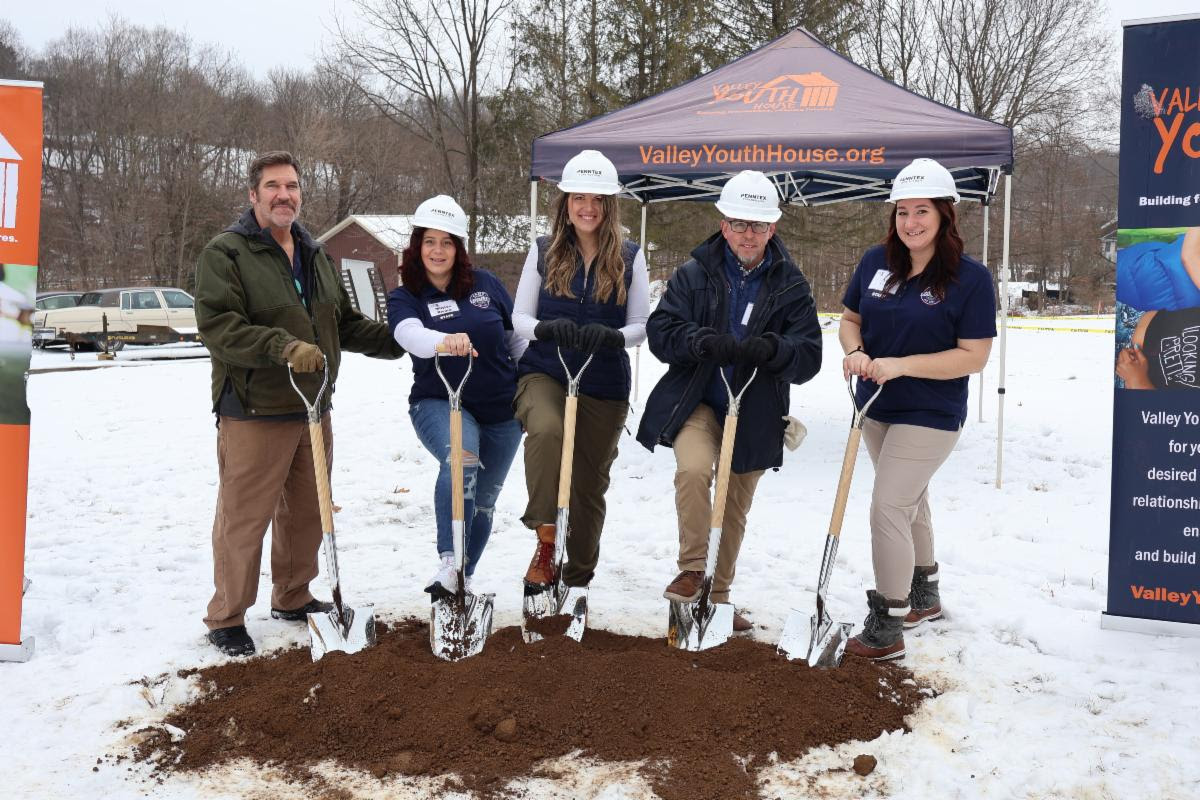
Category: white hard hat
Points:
column 750, row 195
column 925, row 178
column 590, row 172
column 443, row 214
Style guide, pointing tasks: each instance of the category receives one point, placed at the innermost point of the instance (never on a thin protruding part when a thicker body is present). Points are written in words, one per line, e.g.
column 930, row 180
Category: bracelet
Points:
column 858, row 349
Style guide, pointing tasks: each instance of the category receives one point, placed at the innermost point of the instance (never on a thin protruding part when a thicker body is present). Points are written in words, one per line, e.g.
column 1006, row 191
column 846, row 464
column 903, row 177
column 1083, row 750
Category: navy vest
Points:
column 608, row 376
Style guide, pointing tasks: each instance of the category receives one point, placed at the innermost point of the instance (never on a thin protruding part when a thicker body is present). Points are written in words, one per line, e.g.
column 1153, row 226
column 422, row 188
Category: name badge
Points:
column 746, row 316
column 444, row 309
column 876, row 287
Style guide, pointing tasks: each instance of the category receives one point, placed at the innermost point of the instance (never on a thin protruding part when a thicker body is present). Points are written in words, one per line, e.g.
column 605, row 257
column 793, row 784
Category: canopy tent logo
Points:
column 9, row 164
column 810, row 91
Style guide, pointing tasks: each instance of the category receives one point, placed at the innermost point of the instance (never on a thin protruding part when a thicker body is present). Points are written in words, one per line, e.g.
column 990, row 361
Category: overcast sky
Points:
column 289, row 34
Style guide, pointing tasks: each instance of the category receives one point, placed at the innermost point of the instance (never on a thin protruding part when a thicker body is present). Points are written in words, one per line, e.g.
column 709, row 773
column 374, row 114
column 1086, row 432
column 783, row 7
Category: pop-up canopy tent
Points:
column 823, row 129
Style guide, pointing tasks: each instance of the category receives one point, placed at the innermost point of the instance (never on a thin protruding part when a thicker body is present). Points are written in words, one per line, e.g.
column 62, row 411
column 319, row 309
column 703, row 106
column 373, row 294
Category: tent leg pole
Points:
column 637, row 351
column 1003, row 328
column 986, row 215
column 532, row 213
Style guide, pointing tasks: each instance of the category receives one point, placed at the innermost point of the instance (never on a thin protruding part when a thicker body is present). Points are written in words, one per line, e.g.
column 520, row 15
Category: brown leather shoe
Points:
column 541, row 568
column 741, row 624
column 686, row 586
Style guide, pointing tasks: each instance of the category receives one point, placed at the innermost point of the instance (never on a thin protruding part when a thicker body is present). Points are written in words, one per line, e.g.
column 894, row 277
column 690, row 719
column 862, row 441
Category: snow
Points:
column 1036, row 700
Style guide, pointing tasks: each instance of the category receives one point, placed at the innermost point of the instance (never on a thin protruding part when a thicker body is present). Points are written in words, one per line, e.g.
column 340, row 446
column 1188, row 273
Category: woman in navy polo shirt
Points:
column 919, row 318
column 585, row 292
column 444, row 301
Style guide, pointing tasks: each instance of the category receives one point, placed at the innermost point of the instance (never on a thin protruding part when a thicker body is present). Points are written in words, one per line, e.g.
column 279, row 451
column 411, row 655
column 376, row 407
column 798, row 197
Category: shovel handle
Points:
column 457, row 508
column 843, row 487
column 316, row 437
column 724, row 461
column 570, row 412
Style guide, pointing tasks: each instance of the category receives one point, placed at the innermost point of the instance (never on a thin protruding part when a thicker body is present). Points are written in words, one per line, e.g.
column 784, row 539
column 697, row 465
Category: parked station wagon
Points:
column 138, row 315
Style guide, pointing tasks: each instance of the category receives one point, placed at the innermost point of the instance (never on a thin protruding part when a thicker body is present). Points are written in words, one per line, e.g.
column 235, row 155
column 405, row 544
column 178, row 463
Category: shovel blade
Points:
column 797, row 634
column 827, row 643
column 329, row 632
column 696, row 626
column 460, row 625
column 551, row 613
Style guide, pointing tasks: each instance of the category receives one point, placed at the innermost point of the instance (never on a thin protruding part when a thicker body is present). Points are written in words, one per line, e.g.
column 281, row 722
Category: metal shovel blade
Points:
column 329, row 632
column 548, row 613
column 459, row 625
column 699, row 626
column 827, row 642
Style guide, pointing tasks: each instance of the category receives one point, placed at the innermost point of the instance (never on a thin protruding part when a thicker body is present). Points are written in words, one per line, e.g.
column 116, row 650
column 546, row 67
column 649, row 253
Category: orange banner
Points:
column 20, row 209
column 20, row 170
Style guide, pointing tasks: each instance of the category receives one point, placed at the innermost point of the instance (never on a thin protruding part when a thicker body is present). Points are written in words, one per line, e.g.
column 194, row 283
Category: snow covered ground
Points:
column 1037, row 700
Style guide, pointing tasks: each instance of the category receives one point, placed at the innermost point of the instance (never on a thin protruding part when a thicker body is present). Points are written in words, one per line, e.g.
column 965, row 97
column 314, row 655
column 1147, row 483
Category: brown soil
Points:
column 702, row 723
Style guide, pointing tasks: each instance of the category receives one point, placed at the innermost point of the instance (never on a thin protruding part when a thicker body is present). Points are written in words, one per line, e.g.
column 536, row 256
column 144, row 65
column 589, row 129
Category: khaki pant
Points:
column 905, row 458
column 697, row 448
column 539, row 406
column 266, row 476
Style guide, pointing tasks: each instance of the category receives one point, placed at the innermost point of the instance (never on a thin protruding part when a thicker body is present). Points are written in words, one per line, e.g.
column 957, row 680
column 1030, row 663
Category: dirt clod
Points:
column 701, row 724
column 864, row 764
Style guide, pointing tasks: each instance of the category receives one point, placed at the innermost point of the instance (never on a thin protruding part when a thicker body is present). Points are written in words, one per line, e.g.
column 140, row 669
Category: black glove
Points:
column 757, row 350
column 719, row 348
column 561, row 331
column 594, row 336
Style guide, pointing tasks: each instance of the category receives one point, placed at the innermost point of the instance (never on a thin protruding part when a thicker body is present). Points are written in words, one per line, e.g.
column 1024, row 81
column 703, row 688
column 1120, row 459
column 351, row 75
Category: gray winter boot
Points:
column 923, row 597
column 882, row 635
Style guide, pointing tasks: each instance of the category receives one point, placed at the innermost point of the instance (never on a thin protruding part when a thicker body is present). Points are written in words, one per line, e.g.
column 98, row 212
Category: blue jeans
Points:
column 488, row 452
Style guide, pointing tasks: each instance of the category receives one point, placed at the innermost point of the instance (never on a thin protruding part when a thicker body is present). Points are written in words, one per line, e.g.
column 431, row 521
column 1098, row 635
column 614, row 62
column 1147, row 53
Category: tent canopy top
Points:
column 824, row 129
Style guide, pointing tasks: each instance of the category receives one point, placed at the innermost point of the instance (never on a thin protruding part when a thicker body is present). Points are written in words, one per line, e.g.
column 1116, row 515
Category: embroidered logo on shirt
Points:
column 481, row 300
column 929, row 298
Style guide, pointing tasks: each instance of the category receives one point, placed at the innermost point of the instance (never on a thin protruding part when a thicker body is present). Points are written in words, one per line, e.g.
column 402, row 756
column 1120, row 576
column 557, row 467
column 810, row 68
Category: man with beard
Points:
column 268, row 299
column 738, row 304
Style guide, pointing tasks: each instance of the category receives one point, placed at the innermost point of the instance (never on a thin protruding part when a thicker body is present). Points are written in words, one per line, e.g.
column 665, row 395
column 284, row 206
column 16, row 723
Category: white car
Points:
column 139, row 315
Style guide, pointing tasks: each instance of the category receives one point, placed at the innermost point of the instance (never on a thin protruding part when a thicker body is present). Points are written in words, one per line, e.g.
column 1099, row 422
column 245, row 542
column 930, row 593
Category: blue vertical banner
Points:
column 1154, row 536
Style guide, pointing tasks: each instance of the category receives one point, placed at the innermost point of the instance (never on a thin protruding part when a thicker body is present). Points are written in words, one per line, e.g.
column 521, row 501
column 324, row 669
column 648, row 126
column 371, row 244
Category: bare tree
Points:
column 431, row 67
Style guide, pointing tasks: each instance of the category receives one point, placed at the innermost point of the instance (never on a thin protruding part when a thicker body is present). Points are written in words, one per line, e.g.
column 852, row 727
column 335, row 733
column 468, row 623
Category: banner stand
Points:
column 1152, row 627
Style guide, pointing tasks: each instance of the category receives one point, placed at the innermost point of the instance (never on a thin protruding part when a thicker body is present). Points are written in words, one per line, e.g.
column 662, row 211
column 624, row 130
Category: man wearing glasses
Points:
column 739, row 303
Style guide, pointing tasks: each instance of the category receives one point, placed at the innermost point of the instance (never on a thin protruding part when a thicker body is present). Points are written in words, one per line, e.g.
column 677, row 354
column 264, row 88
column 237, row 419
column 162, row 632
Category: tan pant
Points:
column 539, row 406
column 266, row 476
column 905, row 458
column 697, row 448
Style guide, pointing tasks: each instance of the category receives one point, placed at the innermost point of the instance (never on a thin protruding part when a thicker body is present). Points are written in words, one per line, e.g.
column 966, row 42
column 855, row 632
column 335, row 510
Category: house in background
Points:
column 366, row 249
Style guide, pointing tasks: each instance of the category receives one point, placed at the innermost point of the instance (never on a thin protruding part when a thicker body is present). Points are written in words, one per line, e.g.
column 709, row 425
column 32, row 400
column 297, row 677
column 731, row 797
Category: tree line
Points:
column 148, row 134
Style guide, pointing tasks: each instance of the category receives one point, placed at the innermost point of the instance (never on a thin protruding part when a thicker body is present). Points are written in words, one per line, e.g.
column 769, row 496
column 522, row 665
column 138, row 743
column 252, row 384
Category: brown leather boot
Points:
column 882, row 634
column 686, row 586
column 541, row 568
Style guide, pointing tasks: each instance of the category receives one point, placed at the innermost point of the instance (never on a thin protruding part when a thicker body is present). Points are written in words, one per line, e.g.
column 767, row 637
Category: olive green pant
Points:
column 539, row 406
column 697, row 447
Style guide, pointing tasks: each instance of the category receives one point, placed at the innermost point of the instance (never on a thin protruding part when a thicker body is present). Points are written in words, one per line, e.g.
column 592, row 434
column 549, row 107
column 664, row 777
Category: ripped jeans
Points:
column 488, row 452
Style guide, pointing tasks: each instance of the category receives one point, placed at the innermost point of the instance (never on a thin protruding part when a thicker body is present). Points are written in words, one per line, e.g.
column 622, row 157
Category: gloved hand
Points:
column 305, row 357
column 595, row 336
column 561, row 331
column 757, row 350
column 719, row 348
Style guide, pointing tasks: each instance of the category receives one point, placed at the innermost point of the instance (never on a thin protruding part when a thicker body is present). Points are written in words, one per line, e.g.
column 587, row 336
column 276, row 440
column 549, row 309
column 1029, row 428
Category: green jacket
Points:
column 248, row 310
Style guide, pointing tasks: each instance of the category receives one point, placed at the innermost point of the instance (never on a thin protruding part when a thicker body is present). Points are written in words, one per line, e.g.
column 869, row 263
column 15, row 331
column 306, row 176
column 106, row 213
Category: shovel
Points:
column 342, row 628
column 826, row 641
column 703, row 624
column 558, row 606
column 459, row 623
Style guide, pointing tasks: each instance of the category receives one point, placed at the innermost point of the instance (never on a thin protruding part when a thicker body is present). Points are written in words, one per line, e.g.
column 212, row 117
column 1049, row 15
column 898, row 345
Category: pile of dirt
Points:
column 703, row 723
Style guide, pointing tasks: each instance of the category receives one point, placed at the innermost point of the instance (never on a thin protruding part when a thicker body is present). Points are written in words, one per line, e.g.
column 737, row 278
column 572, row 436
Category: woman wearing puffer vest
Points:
column 583, row 292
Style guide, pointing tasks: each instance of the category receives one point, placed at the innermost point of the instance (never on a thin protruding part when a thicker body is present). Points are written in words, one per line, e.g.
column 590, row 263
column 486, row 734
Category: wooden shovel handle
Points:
column 316, row 440
column 843, row 487
column 724, row 460
column 457, row 506
column 570, row 410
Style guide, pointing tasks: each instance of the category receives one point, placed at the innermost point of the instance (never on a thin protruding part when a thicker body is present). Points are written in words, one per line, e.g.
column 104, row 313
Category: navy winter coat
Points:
column 696, row 297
